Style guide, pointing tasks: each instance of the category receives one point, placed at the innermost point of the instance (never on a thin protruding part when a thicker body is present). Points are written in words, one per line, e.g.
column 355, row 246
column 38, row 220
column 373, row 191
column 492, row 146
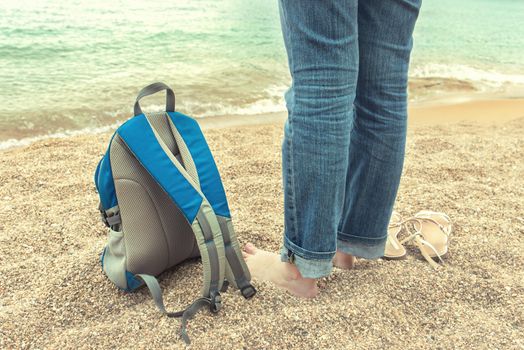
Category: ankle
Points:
column 292, row 272
column 343, row 260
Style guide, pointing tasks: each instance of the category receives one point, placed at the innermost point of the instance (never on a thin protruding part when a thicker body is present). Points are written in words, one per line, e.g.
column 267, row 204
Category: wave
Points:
column 426, row 79
column 26, row 141
column 271, row 101
column 258, row 107
column 272, row 104
column 489, row 78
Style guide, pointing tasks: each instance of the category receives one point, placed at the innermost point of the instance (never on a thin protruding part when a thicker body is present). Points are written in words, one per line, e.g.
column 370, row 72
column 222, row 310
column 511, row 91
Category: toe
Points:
column 250, row 248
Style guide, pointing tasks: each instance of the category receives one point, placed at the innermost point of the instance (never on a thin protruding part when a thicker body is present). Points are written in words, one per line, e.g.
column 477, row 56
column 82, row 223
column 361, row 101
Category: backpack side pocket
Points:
column 114, row 259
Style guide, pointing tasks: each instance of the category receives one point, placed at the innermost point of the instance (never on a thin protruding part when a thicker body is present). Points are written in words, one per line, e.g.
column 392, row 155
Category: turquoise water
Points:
column 75, row 66
column 473, row 40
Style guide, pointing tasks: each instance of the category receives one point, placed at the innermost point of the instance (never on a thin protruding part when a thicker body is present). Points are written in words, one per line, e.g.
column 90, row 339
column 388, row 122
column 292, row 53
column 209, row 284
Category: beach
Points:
column 463, row 159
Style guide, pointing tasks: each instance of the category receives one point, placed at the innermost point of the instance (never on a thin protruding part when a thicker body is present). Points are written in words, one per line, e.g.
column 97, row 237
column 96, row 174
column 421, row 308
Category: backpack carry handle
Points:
column 152, row 89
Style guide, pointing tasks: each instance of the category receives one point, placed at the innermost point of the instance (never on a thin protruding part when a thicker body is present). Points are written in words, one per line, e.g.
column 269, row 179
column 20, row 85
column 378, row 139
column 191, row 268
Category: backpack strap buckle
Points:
column 215, row 301
column 248, row 291
column 103, row 215
column 109, row 220
column 225, row 285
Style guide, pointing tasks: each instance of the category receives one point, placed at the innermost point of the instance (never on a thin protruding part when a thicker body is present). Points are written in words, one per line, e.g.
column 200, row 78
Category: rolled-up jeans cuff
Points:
column 309, row 268
column 363, row 248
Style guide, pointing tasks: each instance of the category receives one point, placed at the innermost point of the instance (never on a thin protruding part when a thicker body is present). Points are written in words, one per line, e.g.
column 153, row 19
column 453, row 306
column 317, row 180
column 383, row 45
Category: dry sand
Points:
column 53, row 293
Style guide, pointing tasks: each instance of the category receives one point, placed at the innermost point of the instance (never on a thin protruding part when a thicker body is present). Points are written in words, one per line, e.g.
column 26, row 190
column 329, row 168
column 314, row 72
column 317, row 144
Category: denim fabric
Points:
column 344, row 138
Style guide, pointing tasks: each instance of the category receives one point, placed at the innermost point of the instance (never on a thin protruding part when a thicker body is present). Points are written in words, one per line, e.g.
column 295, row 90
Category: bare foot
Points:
column 343, row 260
column 267, row 266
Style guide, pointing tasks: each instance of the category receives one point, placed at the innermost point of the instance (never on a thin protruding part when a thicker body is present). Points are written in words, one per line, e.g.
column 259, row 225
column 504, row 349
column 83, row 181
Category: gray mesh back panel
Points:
column 157, row 235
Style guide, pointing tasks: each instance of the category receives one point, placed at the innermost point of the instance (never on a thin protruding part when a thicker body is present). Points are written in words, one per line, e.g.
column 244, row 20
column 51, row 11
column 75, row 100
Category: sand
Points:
column 54, row 295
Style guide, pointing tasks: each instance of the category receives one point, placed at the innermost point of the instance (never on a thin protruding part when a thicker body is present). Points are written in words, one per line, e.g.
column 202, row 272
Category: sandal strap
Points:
column 420, row 219
column 427, row 215
column 417, row 238
column 419, row 241
column 424, row 213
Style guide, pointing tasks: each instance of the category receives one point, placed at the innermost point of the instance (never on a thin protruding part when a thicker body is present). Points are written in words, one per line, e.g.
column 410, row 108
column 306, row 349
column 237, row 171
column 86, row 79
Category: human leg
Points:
column 321, row 41
column 378, row 133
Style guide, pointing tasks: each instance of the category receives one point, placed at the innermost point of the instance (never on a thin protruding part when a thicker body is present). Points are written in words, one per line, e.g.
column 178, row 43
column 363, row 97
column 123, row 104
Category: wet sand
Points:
column 464, row 159
column 460, row 109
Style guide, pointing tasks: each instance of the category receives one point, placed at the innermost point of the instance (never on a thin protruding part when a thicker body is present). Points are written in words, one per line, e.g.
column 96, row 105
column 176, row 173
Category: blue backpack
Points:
column 163, row 202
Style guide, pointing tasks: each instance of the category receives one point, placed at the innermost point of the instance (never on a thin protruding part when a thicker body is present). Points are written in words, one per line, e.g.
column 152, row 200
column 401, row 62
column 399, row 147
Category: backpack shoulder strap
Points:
column 196, row 153
column 189, row 136
column 214, row 304
column 236, row 269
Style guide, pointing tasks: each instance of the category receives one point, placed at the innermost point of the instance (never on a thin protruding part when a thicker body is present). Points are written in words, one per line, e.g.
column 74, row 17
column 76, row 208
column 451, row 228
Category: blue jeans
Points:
column 344, row 140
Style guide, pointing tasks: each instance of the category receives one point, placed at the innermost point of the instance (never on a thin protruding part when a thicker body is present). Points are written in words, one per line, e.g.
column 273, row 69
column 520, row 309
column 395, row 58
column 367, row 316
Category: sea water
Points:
column 69, row 67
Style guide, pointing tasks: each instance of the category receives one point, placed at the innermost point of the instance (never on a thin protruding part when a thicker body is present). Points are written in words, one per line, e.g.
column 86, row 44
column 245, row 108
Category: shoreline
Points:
column 446, row 111
column 440, row 110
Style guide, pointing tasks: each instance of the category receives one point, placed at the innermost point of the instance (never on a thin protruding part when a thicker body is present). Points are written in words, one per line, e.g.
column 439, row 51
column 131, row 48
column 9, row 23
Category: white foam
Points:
column 12, row 143
column 268, row 105
column 273, row 102
column 488, row 77
column 259, row 107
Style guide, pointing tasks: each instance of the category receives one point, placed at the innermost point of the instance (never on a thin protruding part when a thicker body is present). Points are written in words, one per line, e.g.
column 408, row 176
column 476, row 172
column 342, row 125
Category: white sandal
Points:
column 394, row 249
column 431, row 234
